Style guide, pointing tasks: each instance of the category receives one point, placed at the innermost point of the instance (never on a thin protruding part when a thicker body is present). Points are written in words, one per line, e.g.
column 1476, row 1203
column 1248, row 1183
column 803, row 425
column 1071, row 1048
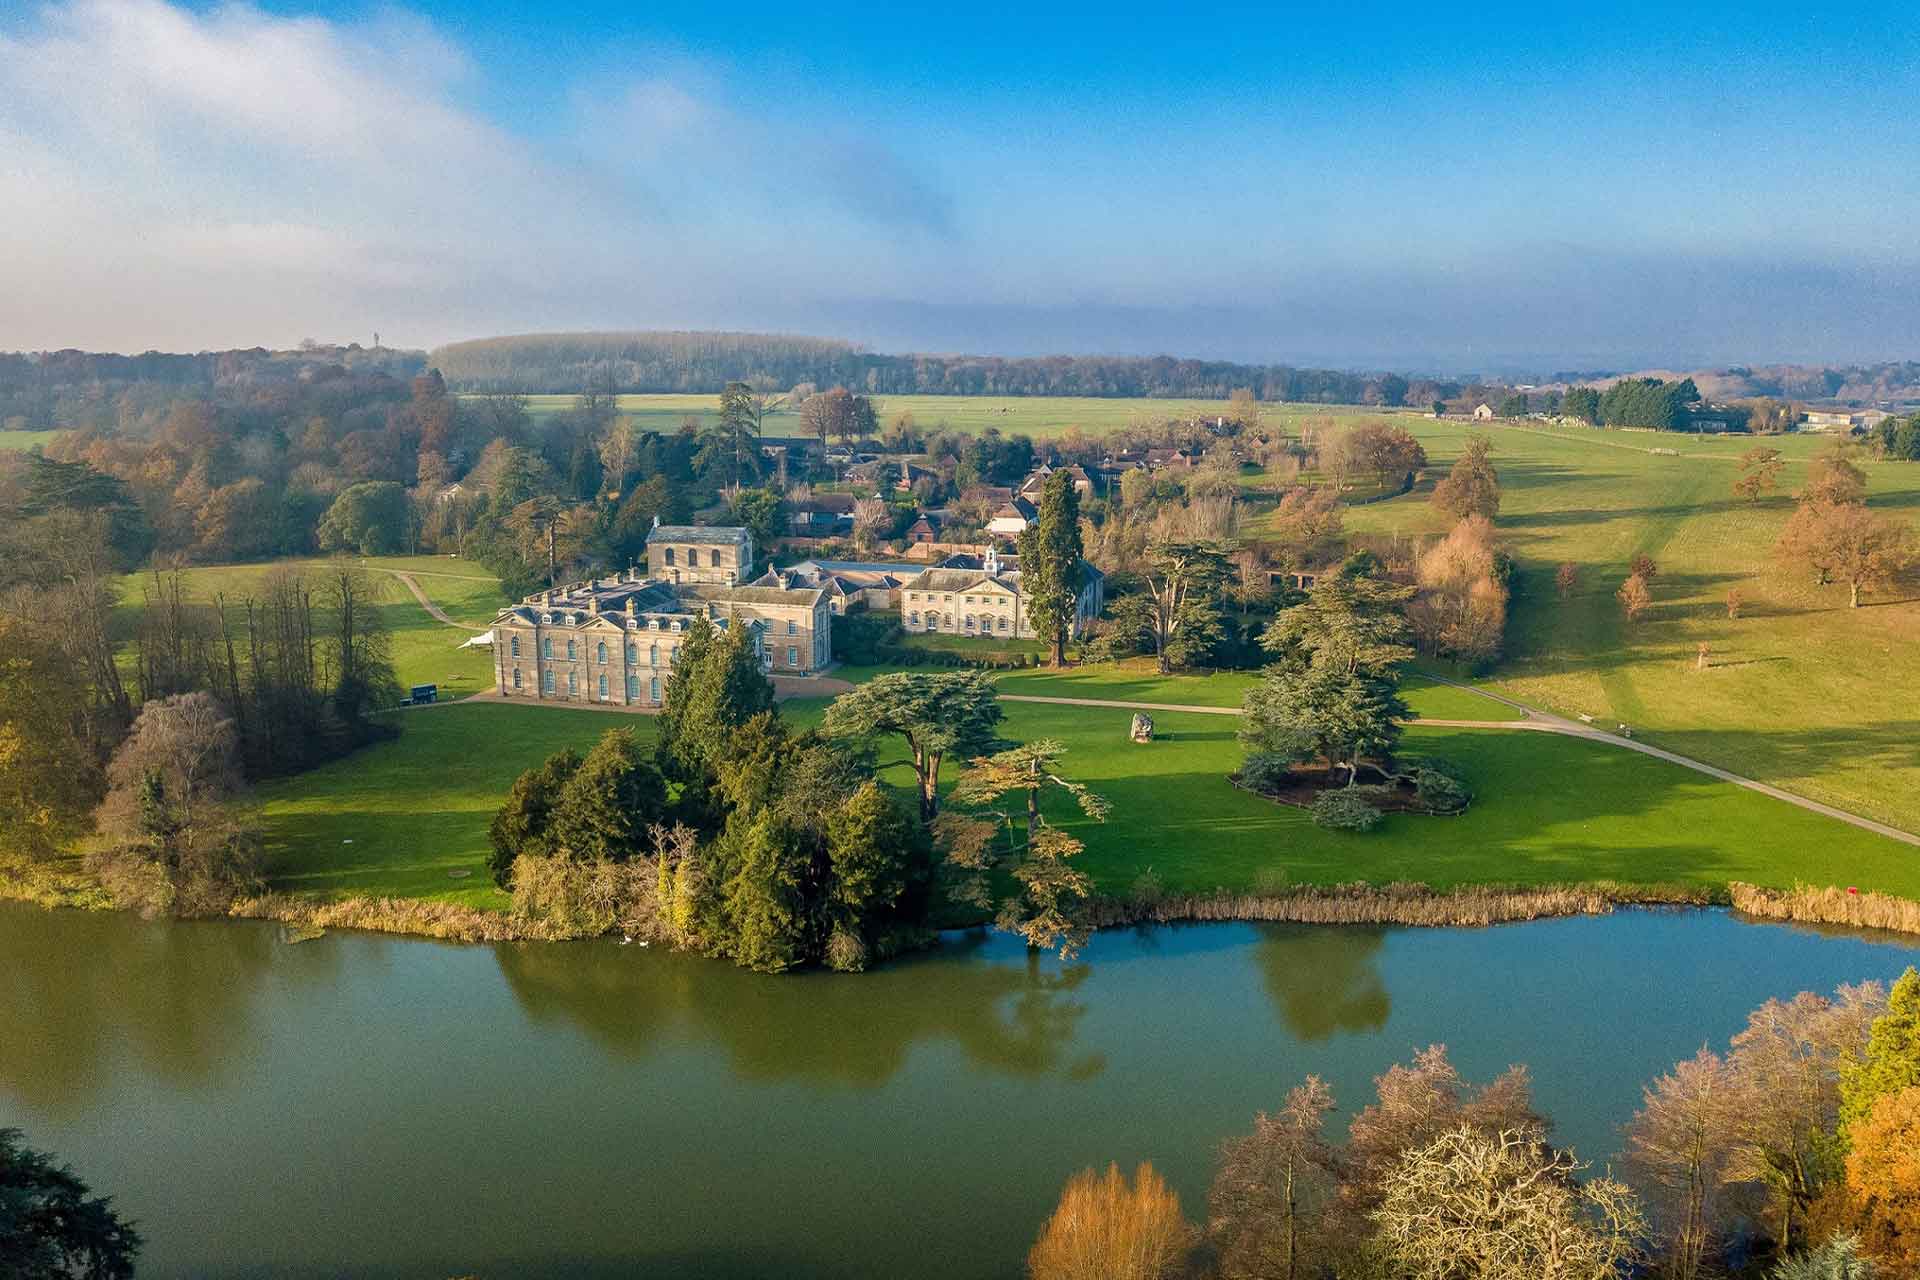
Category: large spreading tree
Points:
column 1330, row 694
column 937, row 715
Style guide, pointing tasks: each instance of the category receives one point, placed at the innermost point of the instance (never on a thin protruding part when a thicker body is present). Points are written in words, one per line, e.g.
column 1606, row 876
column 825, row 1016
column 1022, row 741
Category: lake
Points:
column 380, row 1106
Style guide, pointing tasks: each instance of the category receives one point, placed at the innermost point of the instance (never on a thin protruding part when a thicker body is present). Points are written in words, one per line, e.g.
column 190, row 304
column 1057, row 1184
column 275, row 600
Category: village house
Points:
column 1036, row 483
column 824, row 515
column 613, row 640
column 924, row 529
column 1012, row 517
column 1483, row 413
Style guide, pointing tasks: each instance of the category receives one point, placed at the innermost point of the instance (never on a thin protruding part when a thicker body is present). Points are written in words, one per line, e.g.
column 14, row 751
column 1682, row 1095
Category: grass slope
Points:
column 425, row 650
column 416, row 808
column 25, row 439
column 1802, row 692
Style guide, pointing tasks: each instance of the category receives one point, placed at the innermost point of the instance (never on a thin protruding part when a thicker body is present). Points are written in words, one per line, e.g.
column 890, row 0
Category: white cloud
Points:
column 181, row 180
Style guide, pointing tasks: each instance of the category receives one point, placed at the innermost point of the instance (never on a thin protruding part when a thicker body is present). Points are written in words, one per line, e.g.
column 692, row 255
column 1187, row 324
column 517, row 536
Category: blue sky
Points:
column 1493, row 187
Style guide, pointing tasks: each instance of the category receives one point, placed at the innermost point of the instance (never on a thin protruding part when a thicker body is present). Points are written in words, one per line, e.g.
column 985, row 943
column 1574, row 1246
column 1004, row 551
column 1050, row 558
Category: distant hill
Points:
column 59, row 370
column 43, row 389
column 701, row 363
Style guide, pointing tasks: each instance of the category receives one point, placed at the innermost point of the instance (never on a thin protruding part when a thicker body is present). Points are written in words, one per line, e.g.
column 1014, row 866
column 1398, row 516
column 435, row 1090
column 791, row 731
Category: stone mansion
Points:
column 613, row 640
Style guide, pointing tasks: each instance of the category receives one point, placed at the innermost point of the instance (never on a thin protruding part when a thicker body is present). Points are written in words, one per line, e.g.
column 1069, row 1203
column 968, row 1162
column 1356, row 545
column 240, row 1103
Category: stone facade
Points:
column 981, row 596
column 613, row 640
column 696, row 553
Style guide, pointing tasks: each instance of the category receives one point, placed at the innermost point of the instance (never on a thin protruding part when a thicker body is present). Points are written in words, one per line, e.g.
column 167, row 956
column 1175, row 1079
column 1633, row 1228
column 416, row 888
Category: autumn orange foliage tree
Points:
column 1107, row 1228
column 1883, row 1177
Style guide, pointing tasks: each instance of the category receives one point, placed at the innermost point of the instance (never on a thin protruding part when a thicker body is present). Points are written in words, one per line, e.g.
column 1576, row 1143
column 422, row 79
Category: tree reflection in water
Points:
column 1017, row 1018
column 83, row 993
column 1324, row 978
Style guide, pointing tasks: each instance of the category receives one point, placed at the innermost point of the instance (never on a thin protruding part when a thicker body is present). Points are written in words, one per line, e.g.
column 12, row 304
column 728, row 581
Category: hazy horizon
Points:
column 1490, row 191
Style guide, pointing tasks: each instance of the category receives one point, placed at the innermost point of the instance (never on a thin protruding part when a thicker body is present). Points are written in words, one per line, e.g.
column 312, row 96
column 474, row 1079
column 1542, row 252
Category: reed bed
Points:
column 445, row 920
column 1401, row 903
column 1807, row 904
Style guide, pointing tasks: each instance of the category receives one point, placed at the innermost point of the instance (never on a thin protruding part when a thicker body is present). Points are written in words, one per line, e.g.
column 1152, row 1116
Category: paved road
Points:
column 1538, row 721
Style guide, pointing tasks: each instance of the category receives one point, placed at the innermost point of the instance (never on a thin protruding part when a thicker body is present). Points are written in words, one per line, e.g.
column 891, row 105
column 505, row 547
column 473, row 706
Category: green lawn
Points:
column 425, row 651
column 1549, row 810
column 1036, row 416
column 416, row 808
column 1136, row 680
column 1801, row 691
column 25, row 439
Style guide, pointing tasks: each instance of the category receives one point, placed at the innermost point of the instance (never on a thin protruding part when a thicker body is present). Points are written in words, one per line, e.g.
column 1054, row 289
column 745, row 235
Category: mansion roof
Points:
column 629, row 602
column 714, row 535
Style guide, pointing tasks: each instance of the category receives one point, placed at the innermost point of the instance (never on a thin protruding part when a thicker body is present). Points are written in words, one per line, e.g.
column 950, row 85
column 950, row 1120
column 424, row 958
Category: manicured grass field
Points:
column 25, row 439
column 1801, row 691
column 1036, row 416
column 425, row 650
column 1549, row 810
column 416, row 808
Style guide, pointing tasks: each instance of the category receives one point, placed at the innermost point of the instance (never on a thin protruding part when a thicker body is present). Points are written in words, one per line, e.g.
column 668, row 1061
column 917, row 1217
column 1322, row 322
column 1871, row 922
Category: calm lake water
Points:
column 374, row 1106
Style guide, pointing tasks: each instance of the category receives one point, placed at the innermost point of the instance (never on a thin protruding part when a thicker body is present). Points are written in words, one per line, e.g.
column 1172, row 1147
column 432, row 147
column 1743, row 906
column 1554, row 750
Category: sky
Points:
column 1431, row 188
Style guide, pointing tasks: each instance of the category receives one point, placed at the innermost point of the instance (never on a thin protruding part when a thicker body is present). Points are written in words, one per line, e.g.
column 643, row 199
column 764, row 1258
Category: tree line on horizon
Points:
column 700, row 363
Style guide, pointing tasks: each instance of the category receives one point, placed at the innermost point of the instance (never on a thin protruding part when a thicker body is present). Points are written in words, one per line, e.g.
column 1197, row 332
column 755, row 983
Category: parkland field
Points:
column 1042, row 417
column 425, row 650
column 1799, row 691
column 408, row 818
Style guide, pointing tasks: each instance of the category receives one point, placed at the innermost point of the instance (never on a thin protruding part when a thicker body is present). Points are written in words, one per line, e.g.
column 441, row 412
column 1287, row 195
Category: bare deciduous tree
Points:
column 1677, row 1151
column 1271, row 1194
column 1504, row 1206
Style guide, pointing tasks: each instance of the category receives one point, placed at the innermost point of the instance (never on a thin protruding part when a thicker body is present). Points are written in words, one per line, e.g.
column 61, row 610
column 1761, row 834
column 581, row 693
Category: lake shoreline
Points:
column 1359, row 903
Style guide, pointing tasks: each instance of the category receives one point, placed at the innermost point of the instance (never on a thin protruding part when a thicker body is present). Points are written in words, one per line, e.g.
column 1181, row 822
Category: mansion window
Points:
column 1003, row 624
column 653, row 688
column 793, row 628
column 572, row 652
column 515, row 645
column 546, row 646
column 793, row 656
column 573, row 684
column 633, row 688
column 633, row 653
column 603, row 687
column 653, row 655
column 600, row 654
column 914, row 619
column 546, row 680
column 516, row 677
column 669, row 551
